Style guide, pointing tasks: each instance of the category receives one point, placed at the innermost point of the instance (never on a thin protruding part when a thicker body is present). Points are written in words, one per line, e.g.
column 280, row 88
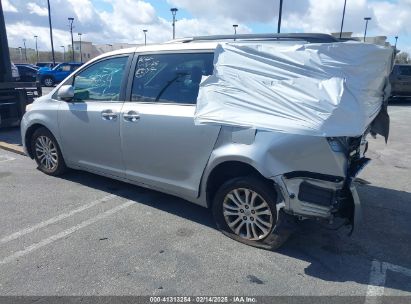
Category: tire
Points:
column 48, row 81
column 46, row 152
column 265, row 233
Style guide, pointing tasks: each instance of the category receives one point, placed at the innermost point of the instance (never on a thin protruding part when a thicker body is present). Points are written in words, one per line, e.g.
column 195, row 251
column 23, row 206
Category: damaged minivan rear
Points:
column 266, row 130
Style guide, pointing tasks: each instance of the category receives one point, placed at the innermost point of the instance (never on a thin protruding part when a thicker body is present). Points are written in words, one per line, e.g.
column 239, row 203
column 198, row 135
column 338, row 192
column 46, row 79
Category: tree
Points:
column 403, row 58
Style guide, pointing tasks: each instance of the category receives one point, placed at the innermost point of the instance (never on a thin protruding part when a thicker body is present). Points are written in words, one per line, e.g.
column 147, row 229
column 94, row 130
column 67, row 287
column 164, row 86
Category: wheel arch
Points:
column 225, row 171
column 29, row 133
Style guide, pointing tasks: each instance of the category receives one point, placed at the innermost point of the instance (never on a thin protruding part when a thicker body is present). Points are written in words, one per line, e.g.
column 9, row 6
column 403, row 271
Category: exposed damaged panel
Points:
column 333, row 89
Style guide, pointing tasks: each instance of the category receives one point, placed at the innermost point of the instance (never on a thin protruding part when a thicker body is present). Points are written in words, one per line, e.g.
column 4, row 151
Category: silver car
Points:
column 128, row 115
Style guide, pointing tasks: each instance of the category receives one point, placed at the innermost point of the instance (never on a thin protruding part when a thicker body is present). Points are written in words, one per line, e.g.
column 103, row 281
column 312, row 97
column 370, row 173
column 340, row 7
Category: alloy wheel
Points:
column 247, row 214
column 46, row 152
column 48, row 82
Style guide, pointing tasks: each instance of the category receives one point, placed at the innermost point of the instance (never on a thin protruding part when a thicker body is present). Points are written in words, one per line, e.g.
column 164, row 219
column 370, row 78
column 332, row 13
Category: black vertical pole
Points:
column 51, row 34
column 37, row 50
column 81, row 53
column 5, row 65
column 342, row 20
column 279, row 17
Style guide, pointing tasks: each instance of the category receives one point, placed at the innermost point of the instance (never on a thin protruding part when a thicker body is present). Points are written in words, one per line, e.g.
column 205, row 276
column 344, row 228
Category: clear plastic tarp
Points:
column 330, row 89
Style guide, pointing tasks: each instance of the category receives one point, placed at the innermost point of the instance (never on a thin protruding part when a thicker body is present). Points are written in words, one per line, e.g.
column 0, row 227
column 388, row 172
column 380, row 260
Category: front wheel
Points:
column 48, row 81
column 244, row 209
column 47, row 153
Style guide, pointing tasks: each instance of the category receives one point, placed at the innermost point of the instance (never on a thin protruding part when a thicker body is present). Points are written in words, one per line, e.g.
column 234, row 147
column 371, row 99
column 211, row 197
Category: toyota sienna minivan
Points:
column 128, row 115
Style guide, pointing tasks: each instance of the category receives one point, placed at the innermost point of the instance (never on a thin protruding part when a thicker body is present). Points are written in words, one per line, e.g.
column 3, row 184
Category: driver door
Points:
column 90, row 124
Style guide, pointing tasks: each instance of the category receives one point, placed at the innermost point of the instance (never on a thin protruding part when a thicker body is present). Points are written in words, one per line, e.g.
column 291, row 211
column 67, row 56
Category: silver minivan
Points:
column 128, row 115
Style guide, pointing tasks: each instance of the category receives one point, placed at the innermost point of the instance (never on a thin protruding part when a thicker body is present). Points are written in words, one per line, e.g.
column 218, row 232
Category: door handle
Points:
column 132, row 116
column 108, row 115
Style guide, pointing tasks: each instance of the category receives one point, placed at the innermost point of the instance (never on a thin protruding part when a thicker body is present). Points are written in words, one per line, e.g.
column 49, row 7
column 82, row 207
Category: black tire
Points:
column 40, row 136
column 271, row 240
column 48, row 81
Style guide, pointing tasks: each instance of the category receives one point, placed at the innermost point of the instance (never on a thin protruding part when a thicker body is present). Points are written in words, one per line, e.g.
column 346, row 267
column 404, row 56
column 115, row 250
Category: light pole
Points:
column 396, row 39
column 64, row 52
column 279, row 17
column 51, row 33
column 37, row 50
column 174, row 12
column 366, row 26
column 71, row 20
column 25, row 50
column 235, row 28
column 342, row 20
column 81, row 53
column 21, row 54
column 145, row 37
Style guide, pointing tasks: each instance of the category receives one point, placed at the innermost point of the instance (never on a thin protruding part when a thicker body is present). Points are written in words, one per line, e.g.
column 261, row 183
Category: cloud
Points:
column 33, row 8
column 7, row 7
column 111, row 21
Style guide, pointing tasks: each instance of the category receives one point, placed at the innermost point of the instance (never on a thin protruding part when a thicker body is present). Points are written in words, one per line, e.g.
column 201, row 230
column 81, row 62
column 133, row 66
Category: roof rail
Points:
column 311, row 38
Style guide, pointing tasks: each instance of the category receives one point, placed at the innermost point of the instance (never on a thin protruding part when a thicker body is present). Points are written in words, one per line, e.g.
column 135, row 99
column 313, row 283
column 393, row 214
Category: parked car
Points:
column 46, row 64
column 400, row 79
column 14, row 72
column 129, row 114
column 28, row 64
column 49, row 77
column 27, row 73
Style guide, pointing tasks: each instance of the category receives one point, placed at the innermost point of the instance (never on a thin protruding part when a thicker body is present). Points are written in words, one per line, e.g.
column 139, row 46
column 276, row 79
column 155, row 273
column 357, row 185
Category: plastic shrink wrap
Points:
column 330, row 89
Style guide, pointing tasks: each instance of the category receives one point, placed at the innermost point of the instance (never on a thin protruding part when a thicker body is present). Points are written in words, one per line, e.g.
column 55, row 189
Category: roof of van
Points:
column 210, row 42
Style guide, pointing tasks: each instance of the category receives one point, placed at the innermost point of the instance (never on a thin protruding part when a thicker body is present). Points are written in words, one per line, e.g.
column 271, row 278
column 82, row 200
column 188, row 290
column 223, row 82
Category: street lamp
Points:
column 174, row 12
column 37, row 50
column 279, row 17
column 71, row 20
column 396, row 39
column 81, row 53
column 51, row 33
column 145, row 37
column 366, row 26
column 25, row 49
column 235, row 28
column 21, row 54
column 64, row 52
column 342, row 20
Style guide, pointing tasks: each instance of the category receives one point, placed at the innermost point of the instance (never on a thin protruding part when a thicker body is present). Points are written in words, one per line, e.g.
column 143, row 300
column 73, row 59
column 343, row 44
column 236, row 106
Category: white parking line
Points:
column 64, row 233
column 54, row 219
column 378, row 275
column 4, row 158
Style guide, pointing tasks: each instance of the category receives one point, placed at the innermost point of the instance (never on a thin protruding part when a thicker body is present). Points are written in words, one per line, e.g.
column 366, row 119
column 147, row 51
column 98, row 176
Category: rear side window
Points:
column 405, row 70
column 170, row 78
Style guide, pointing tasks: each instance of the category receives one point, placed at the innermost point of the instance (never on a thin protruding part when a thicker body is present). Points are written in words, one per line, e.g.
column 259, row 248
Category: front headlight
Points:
column 28, row 107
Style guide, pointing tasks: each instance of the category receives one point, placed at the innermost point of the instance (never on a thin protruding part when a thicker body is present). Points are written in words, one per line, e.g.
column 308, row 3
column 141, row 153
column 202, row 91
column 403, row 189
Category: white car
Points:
column 14, row 72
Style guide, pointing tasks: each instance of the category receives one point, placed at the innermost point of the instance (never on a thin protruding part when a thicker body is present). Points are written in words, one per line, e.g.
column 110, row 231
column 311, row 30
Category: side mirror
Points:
column 66, row 93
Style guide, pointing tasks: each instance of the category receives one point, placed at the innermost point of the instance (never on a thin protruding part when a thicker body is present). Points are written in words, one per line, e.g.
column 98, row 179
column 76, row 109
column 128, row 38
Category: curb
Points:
column 12, row 148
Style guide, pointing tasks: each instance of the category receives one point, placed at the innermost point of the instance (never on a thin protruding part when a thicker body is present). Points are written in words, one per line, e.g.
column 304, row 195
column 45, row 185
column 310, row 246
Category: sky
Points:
column 112, row 21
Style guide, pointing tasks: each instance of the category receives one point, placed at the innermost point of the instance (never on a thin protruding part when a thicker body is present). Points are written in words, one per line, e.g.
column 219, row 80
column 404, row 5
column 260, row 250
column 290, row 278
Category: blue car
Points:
column 48, row 77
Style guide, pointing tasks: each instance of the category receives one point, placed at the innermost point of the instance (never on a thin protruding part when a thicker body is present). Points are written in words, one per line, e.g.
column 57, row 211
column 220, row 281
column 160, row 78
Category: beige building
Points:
column 90, row 50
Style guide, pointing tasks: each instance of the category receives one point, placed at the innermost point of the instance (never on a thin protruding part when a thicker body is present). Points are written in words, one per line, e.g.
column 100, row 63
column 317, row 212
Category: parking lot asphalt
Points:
column 83, row 234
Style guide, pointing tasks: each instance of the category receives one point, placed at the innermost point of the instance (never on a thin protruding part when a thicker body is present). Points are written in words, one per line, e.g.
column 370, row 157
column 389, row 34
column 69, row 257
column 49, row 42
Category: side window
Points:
column 101, row 81
column 74, row 67
column 64, row 68
column 405, row 70
column 170, row 78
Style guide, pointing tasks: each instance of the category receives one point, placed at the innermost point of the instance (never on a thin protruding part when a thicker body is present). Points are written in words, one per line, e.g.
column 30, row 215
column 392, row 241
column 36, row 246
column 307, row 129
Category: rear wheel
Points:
column 48, row 81
column 47, row 152
column 244, row 209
